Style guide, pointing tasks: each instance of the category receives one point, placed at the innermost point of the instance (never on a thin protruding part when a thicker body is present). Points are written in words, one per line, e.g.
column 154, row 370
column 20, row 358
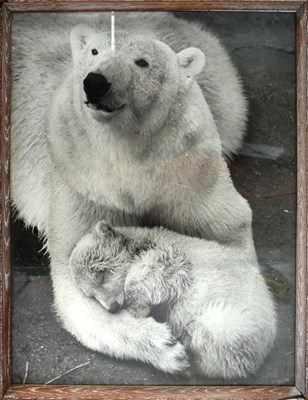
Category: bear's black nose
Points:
column 114, row 307
column 95, row 86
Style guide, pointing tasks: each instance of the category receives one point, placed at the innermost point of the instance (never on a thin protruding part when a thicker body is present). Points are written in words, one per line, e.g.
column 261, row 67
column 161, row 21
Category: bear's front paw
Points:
column 165, row 352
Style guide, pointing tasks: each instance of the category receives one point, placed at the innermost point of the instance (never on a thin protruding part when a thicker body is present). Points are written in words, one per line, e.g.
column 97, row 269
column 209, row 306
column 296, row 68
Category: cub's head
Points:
column 138, row 81
column 99, row 267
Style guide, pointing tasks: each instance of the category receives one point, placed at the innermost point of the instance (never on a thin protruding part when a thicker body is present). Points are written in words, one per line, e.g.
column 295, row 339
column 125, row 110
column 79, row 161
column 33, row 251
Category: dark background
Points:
column 262, row 46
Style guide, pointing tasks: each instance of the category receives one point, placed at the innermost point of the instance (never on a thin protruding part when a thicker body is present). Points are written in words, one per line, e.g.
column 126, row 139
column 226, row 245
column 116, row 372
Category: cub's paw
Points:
column 137, row 302
column 138, row 310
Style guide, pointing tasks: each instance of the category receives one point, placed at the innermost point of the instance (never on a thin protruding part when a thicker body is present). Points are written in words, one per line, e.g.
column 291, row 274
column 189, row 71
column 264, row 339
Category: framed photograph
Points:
column 153, row 200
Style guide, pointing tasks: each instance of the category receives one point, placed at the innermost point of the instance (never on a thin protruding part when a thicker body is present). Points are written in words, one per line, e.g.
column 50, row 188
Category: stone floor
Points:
column 262, row 46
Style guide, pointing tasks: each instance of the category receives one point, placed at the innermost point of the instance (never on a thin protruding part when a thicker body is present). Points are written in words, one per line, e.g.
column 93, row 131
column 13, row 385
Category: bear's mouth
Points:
column 103, row 107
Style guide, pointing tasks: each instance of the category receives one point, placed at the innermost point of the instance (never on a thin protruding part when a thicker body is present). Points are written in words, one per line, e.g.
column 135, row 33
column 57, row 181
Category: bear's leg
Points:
column 119, row 335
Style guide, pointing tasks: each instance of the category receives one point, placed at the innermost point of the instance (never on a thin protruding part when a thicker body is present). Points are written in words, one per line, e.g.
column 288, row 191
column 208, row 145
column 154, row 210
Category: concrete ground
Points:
column 262, row 45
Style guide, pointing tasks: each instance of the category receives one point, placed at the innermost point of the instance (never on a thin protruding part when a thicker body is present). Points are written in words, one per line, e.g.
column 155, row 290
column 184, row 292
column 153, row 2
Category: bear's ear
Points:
column 103, row 227
column 79, row 37
column 191, row 61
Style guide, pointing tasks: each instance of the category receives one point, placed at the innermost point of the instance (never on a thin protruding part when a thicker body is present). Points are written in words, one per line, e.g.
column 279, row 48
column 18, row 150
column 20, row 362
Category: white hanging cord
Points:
column 112, row 42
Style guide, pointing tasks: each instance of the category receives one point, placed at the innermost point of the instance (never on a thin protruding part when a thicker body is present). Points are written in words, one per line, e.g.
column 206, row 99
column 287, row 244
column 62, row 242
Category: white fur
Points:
column 218, row 305
column 157, row 161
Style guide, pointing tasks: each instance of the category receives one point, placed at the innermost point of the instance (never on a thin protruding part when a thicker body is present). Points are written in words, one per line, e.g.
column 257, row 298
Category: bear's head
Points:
column 99, row 265
column 140, row 80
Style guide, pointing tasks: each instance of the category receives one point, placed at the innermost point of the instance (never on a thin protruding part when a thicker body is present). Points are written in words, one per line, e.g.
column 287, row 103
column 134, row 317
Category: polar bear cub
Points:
column 217, row 303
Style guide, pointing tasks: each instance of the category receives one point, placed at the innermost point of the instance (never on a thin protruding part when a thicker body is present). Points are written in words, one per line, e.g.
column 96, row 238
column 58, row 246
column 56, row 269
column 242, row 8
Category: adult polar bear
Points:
column 143, row 149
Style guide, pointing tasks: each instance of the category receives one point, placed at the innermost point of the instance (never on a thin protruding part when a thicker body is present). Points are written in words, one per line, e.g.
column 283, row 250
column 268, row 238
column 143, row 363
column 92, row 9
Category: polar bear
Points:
column 216, row 304
column 132, row 136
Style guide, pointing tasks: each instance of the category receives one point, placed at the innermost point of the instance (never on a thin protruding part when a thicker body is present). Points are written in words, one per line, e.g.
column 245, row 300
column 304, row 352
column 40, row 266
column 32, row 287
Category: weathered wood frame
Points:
column 300, row 390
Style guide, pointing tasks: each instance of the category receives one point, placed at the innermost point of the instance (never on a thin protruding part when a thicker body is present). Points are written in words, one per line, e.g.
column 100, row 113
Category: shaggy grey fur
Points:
column 216, row 305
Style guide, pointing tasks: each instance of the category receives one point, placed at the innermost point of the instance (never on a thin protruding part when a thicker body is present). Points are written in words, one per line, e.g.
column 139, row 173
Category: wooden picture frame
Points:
column 300, row 390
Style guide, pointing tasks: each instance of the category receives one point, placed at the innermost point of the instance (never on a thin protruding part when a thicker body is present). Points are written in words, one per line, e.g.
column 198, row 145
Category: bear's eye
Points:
column 142, row 63
column 94, row 52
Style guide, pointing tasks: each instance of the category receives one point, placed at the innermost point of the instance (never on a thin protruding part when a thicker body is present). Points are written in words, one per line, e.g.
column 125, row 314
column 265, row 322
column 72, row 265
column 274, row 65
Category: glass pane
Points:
column 126, row 125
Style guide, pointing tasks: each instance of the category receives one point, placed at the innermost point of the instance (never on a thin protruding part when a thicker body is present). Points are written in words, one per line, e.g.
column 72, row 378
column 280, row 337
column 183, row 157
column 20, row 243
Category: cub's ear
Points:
column 191, row 61
column 79, row 37
column 103, row 228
